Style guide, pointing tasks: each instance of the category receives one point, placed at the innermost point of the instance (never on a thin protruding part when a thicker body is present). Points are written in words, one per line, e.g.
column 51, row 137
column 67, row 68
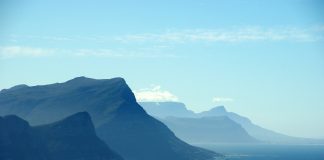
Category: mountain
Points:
column 256, row 131
column 165, row 109
column 72, row 138
column 194, row 129
column 216, row 111
column 119, row 120
column 218, row 129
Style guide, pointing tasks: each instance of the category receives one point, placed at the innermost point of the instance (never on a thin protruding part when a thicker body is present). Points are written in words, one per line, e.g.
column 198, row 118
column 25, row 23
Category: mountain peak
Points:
column 77, row 124
column 218, row 109
column 78, row 117
column 17, row 87
column 82, row 80
column 15, row 123
column 79, row 79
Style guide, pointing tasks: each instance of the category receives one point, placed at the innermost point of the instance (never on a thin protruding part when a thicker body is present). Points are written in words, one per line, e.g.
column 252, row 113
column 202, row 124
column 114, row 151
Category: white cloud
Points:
column 21, row 51
column 244, row 34
column 222, row 99
column 154, row 94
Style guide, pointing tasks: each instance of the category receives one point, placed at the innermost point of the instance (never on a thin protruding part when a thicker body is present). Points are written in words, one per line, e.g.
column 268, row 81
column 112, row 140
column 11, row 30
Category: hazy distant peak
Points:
column 218, row 109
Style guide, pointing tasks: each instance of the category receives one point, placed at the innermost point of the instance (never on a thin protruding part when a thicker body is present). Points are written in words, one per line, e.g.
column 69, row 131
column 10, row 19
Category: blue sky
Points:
column 262, row 59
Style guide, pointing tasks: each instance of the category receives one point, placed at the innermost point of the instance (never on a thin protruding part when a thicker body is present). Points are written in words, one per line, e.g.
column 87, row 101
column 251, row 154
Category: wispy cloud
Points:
column 21, row 51
column 25, row 51
column 154, row 94
column 230, row 35
column 46, row 38
column 222, row 99
column 97, row 53
column 157, row 45
column 123, row 53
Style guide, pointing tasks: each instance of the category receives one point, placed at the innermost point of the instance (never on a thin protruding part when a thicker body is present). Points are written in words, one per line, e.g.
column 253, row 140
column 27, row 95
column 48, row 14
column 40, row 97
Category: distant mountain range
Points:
column 118, row 119
column 208, row 130
column 72, row 138
column 258, row 132
column 164, row 109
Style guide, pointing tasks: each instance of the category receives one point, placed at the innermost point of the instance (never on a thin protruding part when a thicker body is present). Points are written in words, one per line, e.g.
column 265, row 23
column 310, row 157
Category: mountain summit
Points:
column 219, row 110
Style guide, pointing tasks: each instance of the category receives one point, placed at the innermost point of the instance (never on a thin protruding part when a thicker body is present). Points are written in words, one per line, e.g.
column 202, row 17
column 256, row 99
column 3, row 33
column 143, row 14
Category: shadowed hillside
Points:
column 72, row 138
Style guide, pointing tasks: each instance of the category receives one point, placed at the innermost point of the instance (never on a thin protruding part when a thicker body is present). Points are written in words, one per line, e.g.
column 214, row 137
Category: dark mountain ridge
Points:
column 119, row 120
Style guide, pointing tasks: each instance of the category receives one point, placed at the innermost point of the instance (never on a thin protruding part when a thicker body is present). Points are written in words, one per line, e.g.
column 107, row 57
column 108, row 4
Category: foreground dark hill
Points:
column 119, row 120
column 73, row 138
column 208, row 130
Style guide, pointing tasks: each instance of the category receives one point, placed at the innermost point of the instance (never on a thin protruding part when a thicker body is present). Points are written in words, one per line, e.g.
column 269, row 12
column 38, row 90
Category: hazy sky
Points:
column 261, row 59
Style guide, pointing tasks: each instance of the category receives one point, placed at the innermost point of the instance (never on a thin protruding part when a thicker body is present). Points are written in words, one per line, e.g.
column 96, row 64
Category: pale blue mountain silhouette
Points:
column 255, row 131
